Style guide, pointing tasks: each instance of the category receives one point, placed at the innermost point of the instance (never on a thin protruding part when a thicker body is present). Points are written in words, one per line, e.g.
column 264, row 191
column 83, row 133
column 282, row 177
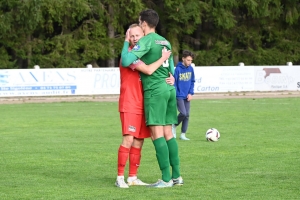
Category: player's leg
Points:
column 124, row 149
column 128, row 131
column 134, row 162
column 123, row 154
column 171, row 118
column 135, row 151
column 162, row 152
column 162, row 155
column 155, row 109
column 135, row 157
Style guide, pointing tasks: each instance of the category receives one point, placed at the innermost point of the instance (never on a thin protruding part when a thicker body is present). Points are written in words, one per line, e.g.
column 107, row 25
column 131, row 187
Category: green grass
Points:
column 69, row 151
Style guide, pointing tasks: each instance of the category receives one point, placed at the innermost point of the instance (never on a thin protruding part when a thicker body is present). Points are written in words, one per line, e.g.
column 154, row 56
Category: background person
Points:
column 184, row 84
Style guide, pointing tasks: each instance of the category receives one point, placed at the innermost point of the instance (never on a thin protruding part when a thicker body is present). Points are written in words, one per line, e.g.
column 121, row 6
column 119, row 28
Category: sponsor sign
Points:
column 274, row 78
column 95, row 81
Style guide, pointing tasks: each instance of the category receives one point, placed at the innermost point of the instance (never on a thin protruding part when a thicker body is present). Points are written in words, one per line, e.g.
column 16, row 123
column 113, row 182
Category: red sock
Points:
column 123, row 154
column 134, row 160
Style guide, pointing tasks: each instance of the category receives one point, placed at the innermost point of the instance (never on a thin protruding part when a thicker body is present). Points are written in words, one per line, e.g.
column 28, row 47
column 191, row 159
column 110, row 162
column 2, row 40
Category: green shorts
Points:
column 161, row 109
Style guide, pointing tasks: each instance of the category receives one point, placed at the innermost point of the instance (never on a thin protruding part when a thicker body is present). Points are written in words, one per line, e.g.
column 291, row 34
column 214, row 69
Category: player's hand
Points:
column 189, row 97
column 165, row 53
column 127, row 36
column 170, row 80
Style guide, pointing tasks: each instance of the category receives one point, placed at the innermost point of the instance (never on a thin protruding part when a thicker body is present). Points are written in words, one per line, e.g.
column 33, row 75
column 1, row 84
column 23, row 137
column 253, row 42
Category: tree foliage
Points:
column 63, row 33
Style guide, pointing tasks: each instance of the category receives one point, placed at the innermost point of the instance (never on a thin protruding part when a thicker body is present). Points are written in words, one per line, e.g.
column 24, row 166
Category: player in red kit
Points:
column 131, row 108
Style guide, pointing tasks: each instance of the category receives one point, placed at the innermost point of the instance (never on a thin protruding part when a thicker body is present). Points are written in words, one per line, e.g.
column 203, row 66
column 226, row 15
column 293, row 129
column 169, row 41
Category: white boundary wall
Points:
column 95, row 81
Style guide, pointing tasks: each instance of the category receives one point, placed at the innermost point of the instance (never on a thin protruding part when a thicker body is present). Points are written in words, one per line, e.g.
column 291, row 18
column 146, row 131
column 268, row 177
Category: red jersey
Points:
column 131, row 98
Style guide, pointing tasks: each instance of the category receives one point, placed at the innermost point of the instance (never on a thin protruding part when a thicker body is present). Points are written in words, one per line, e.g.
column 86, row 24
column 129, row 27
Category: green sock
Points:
column 162, row 155
column 174, row 157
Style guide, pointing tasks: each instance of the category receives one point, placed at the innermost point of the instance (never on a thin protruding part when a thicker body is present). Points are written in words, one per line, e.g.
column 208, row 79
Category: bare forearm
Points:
column 150, row 69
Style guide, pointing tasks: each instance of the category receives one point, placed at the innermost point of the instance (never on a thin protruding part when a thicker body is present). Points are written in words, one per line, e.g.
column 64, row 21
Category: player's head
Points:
column 150, row 17
column 187, row 58
column 135, row 33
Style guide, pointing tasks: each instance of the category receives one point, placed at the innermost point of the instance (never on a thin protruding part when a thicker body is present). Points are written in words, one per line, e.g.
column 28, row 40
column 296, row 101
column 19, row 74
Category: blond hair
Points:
column 133, row 25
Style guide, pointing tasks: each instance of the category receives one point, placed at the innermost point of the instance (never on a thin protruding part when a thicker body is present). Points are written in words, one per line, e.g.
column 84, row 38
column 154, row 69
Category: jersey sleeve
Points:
column 142, row 47
column 127, row 57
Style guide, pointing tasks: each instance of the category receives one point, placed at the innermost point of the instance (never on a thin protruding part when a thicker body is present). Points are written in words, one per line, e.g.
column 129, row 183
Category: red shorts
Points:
column 135, row 125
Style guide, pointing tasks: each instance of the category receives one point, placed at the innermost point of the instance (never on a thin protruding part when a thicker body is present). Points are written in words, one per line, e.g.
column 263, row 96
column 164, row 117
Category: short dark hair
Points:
column 187, row 53
column 150, row 16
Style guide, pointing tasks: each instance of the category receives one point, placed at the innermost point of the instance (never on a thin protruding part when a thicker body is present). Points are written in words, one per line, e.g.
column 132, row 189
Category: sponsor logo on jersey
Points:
column 162, row 42
column 131, row 128
column 136, row 61
column 136, row 47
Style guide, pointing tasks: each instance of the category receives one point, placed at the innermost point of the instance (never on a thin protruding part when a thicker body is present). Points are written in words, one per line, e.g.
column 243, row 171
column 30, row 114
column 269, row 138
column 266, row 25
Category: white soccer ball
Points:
column 212, row 135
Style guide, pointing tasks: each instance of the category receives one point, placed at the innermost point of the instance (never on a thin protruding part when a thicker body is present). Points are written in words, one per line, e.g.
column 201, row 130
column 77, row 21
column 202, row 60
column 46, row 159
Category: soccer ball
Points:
column 212, row 135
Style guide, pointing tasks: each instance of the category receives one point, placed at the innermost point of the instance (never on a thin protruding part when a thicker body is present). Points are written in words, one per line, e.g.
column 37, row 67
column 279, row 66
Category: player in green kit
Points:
column 159, row 97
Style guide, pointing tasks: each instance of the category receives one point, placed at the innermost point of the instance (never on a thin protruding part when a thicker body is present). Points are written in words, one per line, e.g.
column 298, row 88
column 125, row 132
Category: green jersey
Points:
column 149, row 49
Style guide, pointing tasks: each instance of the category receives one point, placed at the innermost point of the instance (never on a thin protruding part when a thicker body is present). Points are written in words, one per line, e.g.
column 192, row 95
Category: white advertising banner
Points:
column 223, row 79
column 274, row 78
column 99, row 81
column 59, row 82
column 95, row 81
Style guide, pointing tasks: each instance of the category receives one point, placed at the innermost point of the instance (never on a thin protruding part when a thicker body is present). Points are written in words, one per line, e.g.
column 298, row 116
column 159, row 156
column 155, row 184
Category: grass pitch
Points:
column 69, row 151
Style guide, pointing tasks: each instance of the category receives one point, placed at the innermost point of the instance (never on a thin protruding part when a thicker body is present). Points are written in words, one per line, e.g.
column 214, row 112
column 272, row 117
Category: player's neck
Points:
column 149, row 30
